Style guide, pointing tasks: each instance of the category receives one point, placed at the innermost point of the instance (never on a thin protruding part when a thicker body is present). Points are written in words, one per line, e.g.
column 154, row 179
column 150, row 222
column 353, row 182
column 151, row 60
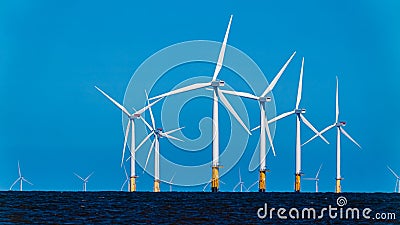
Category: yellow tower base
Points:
column 261, row 183
column 338, row 188
column 215, row 179
column 132, row 184
column 297, row 183
column 156, row 186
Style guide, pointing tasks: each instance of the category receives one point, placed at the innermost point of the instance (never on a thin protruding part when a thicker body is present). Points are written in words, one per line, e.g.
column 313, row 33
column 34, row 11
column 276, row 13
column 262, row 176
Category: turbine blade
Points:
column 316, row 176
column 123, row 185
column 222, row 51
column 142, row 110
column 151, row 112
column 14, row 183
column 231, row 110
column 323, row 131
column 144, row 140
column 146, row 123
column 170, row 181
column 275, row 80
column 170, row 137
column 393, row 172
column 180, row 90
column 349, row 137
column 236, row 186
column 26, row 181
column 255, row 128
column 269, row 135
column 337, row 99
column 19, row 170
column 79, row 176
column 126, row 173
column 299, row 90
column 87, row 178
column 148, row 155
column 252, row 185
column 240, row 94
column 283, row 115
column 125, row 141
column 115, row 102
column 204, row 188
column 312, row 128
column 174, row 130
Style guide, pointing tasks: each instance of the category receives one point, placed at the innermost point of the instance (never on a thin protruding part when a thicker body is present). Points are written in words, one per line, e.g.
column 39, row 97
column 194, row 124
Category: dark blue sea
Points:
column 198, row 208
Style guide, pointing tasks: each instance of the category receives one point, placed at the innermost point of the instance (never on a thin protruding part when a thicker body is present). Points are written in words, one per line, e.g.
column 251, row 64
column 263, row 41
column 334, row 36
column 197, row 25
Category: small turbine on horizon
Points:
column 241, row 183
column 316, row 178
column 84, row 180
column 20, row 179
column 397, row 186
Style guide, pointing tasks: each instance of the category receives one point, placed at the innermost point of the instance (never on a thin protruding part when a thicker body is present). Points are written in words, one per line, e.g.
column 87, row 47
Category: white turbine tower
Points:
column 340, row 129
column 84, row 180
column 157, row 133
column 299, row 118
column 263, row 122
column 129, row 126
column 241, row 183
column 20, row 179
column 217, row 95
column 316, row 179
column 397, row 186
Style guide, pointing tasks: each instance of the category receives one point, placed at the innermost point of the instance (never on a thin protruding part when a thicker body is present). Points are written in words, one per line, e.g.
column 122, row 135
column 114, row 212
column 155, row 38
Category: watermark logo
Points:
column 331, row 212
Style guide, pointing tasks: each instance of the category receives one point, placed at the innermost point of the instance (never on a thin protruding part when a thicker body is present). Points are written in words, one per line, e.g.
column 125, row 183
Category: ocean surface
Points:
column 37, row 207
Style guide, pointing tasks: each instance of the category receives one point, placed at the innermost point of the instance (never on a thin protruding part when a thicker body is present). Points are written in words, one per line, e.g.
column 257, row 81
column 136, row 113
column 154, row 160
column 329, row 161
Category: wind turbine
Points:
column 20, row 179
column 157, row 133
column 131, row 124
column 263, row 122
column 241, row 183
column 217, row 95
column 339, row 126
column 170, row 182
column 316, row 179
column 84, row 180
column 397, row 186
column 299, row 118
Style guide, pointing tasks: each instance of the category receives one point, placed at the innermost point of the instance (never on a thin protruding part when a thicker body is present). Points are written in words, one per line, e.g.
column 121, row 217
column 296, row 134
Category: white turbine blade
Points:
column 240, row 94
column 231, row 110
column 180, row 90
column 146, row 123
column 87, row 178
column 126, row 173
column 151, row 149
column 204, row 188
column 26, row 181
column 240, row 176
column 19, row 170
column 79, row 176
column 236, row 186
column 123, row 185
column 275, row 80
column 323, row 131
column 312, row 128
column 283, row 115
column 222, row 51
column 142, row 110
column 393, row 172
column 115, row 102
column 255, row 128
column 269, row 135
column 395, row 187
column 174, row 130
column 299, row 90
column 144, row 140
column 151, row 112
column 15, row 182
column 349, row 137
column 316, row 176
column 170, row 181
column 170, row 137
column 337, row 99
column 252, row 185
column 125, row 141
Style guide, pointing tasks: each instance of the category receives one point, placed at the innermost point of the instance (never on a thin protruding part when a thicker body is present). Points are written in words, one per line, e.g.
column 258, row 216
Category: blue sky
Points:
column 55, row 122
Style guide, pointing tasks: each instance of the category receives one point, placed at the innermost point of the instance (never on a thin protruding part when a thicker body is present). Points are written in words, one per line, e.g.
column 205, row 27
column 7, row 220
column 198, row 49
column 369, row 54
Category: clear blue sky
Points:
column 52, row 53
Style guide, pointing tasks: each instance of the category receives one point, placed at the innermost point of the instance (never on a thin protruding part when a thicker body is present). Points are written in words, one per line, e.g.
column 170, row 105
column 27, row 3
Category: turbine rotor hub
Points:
column 217, row 83
column 264, row 99
column 300, row 111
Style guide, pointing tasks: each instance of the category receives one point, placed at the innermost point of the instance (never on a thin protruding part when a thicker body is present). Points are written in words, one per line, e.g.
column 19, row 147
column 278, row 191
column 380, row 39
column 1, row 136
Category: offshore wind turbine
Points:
column 217, row 95
column 397, row 186
column 263, row 122
column 241, row 183
column 131, row 125
column 316, row 179
column 157, row 133
column 299, row 118
column 84, row 180
column 20, row 179
column 339, row 126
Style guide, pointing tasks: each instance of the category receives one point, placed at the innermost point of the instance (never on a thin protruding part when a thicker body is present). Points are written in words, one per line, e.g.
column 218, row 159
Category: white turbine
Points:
column 170, row 182
column 84, row 180
column 299, row 118
column 397, row 186
column 340, row 129
column 157, row 133
column 263, row 122
column 20, row 179
column 241, row 183
column 129, row 126
column 316, row 179
column 217, row 95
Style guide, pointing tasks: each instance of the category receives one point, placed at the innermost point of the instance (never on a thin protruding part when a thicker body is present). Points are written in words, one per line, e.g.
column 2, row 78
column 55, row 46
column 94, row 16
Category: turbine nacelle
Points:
column 217, row 83
column 300, row 111
column 264, row 99
column 341, row 124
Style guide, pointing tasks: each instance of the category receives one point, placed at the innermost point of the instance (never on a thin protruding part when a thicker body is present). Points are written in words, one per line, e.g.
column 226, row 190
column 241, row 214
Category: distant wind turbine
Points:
column 84, row 180
column 397, row 186
column 20, row 179
column 316, row 179
column 339, row 126
column 241, row 183
column 170, row 182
